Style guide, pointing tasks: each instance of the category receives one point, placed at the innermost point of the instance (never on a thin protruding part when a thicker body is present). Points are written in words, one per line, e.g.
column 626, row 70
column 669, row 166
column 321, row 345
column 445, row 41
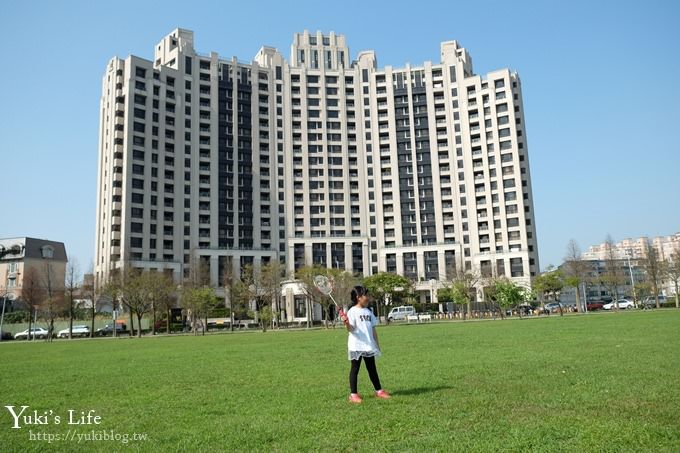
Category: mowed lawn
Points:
column 597, row 382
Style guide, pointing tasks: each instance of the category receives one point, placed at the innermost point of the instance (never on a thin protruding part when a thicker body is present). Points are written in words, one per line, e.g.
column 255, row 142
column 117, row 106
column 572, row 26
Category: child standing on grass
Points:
column 362, row 343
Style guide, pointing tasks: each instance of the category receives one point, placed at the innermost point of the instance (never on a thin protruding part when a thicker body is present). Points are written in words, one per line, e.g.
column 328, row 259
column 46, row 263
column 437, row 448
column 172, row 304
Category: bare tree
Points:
column 575, row 270
column 160, row 288
column 32, row 293
column 613, row 275
column 672, row 269
column 132, row 288
column 306, row 275
column 72, row 284
column 53, row 302
column 464, row 288
column 197, row 302
column 88, row 291
column 229, row 282
column 654, row 269
column 269, row 284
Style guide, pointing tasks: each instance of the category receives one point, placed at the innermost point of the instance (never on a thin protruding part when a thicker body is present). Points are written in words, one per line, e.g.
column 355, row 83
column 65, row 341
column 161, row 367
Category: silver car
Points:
column 36, row 332
column 78, row 331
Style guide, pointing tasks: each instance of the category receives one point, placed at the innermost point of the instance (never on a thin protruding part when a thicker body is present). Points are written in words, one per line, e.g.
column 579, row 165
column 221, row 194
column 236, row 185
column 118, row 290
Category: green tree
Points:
column 382, row 284
column 549, row 285
column 508, row 294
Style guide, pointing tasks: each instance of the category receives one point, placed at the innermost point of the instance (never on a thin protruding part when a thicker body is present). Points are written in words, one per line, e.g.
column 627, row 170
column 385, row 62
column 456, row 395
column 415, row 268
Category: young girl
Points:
column 362, row 343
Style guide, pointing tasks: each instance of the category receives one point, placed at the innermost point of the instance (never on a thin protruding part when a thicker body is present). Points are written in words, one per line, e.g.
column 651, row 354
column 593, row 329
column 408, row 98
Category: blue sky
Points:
column 600, row 80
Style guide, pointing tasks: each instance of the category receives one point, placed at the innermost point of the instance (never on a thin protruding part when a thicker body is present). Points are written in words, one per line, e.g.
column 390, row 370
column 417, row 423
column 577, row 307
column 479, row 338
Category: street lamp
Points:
column 632, row 279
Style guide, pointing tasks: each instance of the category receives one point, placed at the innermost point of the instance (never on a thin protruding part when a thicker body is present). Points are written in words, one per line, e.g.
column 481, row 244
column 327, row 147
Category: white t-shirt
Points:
column 361, row 339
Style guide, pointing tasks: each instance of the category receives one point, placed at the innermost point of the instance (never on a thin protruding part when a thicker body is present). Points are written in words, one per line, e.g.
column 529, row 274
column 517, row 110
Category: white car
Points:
column 623, row 305
column 78, row 331
column 36, row 332
column 400, row 313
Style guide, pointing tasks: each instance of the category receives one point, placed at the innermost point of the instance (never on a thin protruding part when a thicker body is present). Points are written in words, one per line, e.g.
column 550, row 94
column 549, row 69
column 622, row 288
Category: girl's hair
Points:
column 357, row 292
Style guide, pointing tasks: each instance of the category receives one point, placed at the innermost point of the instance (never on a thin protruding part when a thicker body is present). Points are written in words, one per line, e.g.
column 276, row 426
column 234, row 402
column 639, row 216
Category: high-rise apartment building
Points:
column 314, row 160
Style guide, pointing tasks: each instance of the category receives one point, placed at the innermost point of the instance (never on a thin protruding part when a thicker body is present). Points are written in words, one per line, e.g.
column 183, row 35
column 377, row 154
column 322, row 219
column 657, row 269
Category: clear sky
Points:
column 601, row 84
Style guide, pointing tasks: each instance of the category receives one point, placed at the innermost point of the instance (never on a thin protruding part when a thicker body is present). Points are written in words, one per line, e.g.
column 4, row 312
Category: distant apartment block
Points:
column 318, row 159
column 635, row 248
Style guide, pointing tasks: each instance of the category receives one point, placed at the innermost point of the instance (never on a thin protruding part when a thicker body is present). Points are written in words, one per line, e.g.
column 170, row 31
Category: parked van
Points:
column 400, row 313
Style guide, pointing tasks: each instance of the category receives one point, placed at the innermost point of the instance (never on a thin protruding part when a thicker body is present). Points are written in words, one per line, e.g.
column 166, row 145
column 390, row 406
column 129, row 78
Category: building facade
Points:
column 33, row 265
column 318, row 159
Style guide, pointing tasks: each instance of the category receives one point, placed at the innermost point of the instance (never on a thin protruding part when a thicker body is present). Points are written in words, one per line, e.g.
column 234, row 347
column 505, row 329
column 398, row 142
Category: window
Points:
column 47, row 251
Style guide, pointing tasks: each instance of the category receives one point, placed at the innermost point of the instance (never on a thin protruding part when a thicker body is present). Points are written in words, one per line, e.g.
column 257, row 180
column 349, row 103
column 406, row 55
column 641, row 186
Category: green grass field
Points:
column 600, row 382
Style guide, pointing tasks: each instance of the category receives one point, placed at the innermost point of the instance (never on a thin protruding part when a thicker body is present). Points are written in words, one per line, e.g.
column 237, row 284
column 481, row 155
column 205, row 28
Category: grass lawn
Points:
column 599, row 382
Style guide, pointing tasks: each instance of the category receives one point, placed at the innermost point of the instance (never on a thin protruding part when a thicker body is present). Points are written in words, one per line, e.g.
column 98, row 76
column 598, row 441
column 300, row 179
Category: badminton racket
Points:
column 324, row 285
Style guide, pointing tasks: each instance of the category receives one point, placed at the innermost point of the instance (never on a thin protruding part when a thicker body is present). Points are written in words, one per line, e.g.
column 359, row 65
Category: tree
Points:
column 306, row 275
column 508, row 294
column 464, row 289
column 613, row 275
column 549, row 285
column 264, row 284
column 32, row 292
column 132, row 288
column 239, row 299
column 160, row 289
column 197, row 302
column 269, row 280
column 53, row 303
column 343, row 283
column 575, row 270
column 72, row 284
column 229, row 282
column 89, row 291
column 653, row 267
column 385, row 284
column 672, row 269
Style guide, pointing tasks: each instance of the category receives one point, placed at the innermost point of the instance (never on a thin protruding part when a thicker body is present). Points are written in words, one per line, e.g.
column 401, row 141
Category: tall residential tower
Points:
column 318, row 159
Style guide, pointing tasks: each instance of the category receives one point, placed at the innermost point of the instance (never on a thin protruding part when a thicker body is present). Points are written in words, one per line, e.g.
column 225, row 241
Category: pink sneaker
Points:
column 355, row 398
column 383, row 394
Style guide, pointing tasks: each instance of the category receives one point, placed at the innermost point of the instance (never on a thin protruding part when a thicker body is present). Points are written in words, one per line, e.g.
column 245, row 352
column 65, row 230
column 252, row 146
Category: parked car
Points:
column 554, row 307
column 6, row 335
column 36, row 332
column 623, row 305
column 650, row 301
column 78, row 331
column 595, row 305
column 400, row 313
column 525, row 310
column 108, row 330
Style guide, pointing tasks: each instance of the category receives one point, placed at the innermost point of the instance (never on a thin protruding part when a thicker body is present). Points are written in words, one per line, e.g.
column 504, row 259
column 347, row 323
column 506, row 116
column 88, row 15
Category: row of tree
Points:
column 256, row 292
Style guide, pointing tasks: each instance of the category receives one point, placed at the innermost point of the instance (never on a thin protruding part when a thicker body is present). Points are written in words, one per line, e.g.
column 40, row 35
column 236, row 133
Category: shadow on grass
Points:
column 421, row 390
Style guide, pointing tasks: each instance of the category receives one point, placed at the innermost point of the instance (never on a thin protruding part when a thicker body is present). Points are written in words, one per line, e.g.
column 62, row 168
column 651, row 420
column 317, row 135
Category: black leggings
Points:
column 372, row 373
